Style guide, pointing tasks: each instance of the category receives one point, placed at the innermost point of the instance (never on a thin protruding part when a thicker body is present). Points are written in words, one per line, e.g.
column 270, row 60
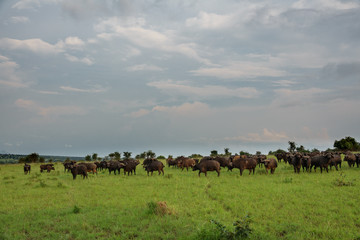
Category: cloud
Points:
column 19, row 19
column 288, row 98
column 240, row 70
column 144, row 67
column 96, row 89
column 35, row 45
column 9, row 74
column 135, row 31
column 74, row 43
column 85, row 60
column 49, row 111
column 207, row 91
column 137, row 114
column 265, row 136
column 326, row 4
column 210, row 21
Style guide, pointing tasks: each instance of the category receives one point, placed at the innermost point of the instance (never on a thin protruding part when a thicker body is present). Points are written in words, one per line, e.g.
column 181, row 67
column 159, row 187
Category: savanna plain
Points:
column 284, row 205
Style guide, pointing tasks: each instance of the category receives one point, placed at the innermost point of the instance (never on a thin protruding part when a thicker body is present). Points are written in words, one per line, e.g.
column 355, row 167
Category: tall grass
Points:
column 282, row 206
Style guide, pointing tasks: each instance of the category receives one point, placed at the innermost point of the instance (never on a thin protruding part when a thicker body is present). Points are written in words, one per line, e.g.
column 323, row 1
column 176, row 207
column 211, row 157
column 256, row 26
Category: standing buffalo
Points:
column 91, row 167
column 48, row 167
column 114, row 166
column 209, row 165
column 335, row 161
column 271, row 164
column 27, row 168
column 244, row 163
column 130, row 166
column 321, row 160
column 350, row 158
column 186, row 163
column 79, row 169
column 154, row 165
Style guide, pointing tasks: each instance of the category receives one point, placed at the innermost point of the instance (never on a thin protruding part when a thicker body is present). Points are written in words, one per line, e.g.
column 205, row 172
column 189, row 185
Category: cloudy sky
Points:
column 177, row 77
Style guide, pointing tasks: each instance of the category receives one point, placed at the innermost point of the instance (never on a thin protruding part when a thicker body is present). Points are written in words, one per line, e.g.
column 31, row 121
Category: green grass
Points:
column 281, row 206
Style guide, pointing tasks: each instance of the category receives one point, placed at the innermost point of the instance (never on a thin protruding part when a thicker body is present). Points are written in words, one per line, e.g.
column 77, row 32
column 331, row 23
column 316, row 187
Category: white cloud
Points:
column 31, row 4
column 139, row 113
column 9, row 74
column 85, row 60
column 74, row 42
column 35, row 45
column 181, row 88
column 134, row 31
column 210, row 21
column 240, row 70
column 49, row 111
column 19, row 19
column 144, row 67
column 96, row 89
column 326, row 4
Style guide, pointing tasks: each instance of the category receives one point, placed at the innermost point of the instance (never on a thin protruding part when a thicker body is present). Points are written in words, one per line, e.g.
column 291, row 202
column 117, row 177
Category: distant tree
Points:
column 150, row 154
column 67, row 160
column 292, row 146
column 226, row 151
column 33, row 157
column 127, row 155
column 160, row 157
column 42, row 159
column 258, row 153
column 347, row 144
column 213, row 153
column 302, row 149
column 111, row 155
column 170, row 156
column 196, row 155
column 88, row 158
column 94, row 156
column 244, row 153
column 117, row 155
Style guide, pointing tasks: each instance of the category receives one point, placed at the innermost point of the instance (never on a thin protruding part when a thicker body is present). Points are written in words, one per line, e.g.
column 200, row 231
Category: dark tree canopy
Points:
column 347, row 144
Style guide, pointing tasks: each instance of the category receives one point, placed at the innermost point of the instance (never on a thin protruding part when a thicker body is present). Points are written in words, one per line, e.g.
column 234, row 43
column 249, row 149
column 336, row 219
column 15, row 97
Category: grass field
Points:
column 280, row 206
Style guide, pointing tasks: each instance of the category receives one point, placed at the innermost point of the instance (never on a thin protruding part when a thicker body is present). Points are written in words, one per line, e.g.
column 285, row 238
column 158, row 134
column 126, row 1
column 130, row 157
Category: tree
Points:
column 150, row 154
column 94, row 156
column 258, row 153
column 87, row 158
column 213, row 153
column 292, row 146
column 117, row 155
column 226, row 151
column 33, row 157
column 127, row 155
column 111, row 155
column 347, row 144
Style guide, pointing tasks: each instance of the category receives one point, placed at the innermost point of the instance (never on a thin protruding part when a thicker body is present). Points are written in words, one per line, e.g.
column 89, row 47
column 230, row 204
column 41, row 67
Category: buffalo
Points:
column 27, row 168
column 321, row 160
column 130, row 166
column 114, row 166
column 79, row 169
column 271, row 164
column 350, row 158
column 154, row 165
column 209, row 165
column 244, row 163
column 48, row 167
column 335, row 161
column 91, row 167
column 186, row 163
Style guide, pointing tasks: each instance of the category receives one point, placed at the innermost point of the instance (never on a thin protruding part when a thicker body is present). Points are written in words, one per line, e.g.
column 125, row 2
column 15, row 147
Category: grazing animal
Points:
column 244, row 163
column 208, row 165
column 130, row 166
column 154, row 165
column 306, row 163
column 186, row 163
column 79, row 169
column 91, row 167
column 271, row 164
column 350, row 158
column 321, row 160
column 27, row 168
column 171, row 162
column 335, row 161
column 114, row 166
column 48, row 167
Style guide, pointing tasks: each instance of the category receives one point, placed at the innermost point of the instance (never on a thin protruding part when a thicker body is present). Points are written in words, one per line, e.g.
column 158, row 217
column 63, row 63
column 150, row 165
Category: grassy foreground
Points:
column 281, row 206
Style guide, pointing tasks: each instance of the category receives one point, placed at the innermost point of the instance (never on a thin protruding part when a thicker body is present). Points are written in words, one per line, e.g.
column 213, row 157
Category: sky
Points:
column 177, row 77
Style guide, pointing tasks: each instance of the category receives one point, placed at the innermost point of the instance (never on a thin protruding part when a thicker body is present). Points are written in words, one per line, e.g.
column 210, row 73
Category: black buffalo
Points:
column 79, row 170
column 208, row 165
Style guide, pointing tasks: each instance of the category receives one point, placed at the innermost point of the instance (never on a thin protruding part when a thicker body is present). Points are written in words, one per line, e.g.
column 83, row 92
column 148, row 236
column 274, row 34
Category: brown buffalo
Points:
column 130, row 166
column 335, row 161
column 244, row 163
column 79, row 169
column 186, row 163
column 350, row 158
column 154, row 165
column 48, row 167
column 91, row 167
column 271, row 164
column 27, row 168
column 209, row 165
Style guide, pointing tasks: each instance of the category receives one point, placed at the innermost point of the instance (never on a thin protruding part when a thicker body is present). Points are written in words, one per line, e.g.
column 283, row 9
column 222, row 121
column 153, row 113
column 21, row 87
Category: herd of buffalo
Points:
column 298, row 160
